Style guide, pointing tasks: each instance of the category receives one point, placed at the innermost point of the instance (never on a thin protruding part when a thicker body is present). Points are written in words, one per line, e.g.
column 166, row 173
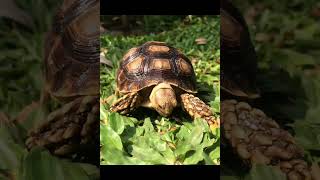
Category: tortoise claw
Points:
column 198, row 109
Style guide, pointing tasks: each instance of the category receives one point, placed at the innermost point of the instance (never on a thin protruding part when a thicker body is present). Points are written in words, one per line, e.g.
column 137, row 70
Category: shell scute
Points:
column 152, row 63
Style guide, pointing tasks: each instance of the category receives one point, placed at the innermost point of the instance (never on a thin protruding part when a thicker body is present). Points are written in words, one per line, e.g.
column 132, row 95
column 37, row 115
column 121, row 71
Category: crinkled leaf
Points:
column 215, row 131
column 148, row 155
column 196, row 136
column 167, row 137
column 183, row 133
column 168, row 154
column 130, row 121
column 202, row 124
column 207, row 141
column 128, row 134
column 215, row 153
column 112, row 156
column 207, row 159
column 182, row 148
column 147, row 125
column 155, row 142
column 116, row 122
column 194, row 157
column 109, row 138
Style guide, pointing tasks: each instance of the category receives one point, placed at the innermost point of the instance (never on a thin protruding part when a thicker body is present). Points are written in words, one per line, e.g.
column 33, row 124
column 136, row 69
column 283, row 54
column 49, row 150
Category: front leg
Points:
column 126, row 103
column 198, row 109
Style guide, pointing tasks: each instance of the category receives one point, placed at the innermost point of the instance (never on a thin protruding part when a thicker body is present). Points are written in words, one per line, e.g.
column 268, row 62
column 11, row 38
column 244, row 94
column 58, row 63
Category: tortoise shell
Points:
column 72, row 50
column 239, row 59
column 153, row 63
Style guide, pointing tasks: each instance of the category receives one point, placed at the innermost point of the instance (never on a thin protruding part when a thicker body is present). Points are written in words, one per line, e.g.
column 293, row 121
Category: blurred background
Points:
column 23, row 25
column 286, row 36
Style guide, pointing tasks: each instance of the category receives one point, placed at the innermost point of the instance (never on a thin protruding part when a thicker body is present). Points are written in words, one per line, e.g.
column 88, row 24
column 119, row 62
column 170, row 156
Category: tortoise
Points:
column 158, row 76
column 254, row 137
column 71, row 70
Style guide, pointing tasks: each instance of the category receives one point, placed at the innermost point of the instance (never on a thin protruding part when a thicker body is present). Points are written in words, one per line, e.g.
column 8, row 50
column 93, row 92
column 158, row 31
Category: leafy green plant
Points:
column 124, row 141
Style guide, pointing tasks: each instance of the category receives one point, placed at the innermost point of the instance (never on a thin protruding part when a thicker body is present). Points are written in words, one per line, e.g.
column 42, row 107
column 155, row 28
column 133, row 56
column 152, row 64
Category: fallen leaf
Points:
column 102, row 30
column 115, row 18
column 194, row 61
column 103, row 50
column 201, row 41
column 103, row 59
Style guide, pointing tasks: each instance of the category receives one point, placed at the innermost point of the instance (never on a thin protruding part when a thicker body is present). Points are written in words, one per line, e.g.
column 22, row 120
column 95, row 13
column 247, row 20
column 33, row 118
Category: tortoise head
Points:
column 163, row 99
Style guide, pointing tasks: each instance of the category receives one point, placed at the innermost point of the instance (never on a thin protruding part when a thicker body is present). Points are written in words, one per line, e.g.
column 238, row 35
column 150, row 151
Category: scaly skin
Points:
column 126, row 103
column 258, row 139
column 198, row 109
column 70, row 129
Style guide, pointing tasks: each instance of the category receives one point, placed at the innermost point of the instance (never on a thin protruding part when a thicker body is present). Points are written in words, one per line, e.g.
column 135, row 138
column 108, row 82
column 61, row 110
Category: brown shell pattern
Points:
column 152, row 63
column 198, row 109
column 258, row 139
column 72, row 50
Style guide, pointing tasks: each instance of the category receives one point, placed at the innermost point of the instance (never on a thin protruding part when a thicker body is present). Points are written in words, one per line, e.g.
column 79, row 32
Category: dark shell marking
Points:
column 153, row 63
